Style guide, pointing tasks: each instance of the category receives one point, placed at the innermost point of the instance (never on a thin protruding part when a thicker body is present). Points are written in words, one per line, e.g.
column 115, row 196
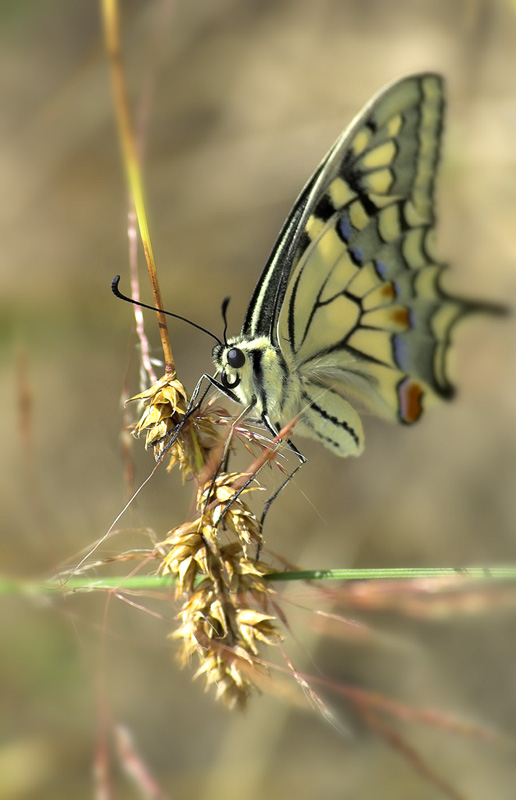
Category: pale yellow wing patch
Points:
column 363, row 311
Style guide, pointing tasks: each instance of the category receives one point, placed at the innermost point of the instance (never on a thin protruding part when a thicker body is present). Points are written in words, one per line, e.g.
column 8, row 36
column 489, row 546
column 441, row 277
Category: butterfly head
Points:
column 250, row 371
column 231, row 362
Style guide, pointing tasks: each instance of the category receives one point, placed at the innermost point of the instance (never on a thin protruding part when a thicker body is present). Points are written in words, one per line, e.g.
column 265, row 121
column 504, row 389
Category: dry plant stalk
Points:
column 226, row 596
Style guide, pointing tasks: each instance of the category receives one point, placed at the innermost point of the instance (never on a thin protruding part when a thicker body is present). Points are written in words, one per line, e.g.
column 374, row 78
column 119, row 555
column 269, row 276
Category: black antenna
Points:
column 224, row 309
column 116, row 291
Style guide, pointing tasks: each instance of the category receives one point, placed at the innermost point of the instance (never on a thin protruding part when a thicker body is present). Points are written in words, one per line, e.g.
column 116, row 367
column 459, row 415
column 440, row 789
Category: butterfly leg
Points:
column 224, row 461
column 270, row 501
column 272, row 498
column 302, row 460
column 252, row 477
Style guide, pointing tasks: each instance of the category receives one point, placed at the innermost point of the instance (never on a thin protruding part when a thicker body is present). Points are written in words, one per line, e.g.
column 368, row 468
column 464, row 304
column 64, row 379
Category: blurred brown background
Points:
column 248, row 97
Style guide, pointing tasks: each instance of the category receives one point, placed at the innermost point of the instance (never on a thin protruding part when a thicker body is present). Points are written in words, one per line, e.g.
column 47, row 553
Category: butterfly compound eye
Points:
column 235, row 358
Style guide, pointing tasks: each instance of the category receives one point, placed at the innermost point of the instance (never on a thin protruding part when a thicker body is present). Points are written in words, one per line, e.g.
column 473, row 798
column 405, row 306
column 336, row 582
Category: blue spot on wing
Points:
column 356, row 255
column 401, row 348
column 381, row 269
column 344, row 228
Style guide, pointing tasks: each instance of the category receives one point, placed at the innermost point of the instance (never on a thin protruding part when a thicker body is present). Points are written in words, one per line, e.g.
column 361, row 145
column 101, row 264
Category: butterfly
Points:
column 349, row 312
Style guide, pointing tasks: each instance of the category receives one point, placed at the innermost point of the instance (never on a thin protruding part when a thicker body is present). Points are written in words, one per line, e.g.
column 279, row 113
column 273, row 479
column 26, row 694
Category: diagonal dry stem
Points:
column 111, row 22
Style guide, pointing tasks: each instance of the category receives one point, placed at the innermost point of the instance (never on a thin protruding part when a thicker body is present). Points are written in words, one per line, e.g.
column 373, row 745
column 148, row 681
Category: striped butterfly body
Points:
column 349, row 310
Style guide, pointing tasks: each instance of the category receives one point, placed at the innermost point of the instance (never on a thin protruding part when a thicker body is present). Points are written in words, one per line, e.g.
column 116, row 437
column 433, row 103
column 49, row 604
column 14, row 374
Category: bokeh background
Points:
column 247, row 98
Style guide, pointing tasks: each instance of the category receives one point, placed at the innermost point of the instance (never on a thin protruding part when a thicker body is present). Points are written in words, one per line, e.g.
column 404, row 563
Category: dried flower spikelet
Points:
column 224, row 506
column 227, row 597
column 192, row 548
column 224, row 620
column 166, row 403
column 187, row 559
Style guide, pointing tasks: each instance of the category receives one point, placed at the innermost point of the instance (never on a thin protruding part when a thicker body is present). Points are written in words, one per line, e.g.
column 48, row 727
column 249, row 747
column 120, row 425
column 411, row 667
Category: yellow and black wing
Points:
column 352, row 291
column 364, row 313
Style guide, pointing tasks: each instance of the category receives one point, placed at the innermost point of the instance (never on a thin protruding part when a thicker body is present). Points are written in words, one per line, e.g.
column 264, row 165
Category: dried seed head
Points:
column 222, row 500
column 166, row 403
column 225, row 615
column 223, row 621
column 227, row 598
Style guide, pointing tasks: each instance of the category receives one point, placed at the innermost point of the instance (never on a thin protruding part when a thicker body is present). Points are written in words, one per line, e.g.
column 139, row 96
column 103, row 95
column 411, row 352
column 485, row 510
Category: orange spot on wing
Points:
column 388, row 291
column 410, row 395
column 401, row 317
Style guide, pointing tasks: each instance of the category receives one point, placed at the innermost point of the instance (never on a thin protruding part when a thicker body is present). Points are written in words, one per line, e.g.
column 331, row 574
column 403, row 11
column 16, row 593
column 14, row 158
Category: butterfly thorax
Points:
column 255, row 373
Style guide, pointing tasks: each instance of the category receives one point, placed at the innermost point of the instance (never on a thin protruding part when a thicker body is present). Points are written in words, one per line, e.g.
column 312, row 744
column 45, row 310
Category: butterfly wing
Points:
column 364, row 312
column 351, row 292
column 263, row 310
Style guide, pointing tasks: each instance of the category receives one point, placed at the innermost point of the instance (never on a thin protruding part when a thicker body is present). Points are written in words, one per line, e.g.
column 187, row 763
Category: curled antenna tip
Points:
column 116, row 291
